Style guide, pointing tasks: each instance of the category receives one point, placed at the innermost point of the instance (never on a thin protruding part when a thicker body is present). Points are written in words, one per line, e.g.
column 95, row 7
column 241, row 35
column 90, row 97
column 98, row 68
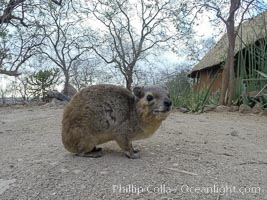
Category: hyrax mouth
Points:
column 161, row 111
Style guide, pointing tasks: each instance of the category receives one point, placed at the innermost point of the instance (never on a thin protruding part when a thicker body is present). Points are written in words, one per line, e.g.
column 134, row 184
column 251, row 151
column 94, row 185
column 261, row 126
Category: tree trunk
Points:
column 66, row 84
column 225, row 81
column 231, row 61
column 129, row 82
column 228, row 78
column 231, row 84
column 129, row 77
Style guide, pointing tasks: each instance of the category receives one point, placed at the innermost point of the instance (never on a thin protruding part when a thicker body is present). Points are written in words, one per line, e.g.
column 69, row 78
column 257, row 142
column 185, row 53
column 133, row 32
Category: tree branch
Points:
column 10, row 73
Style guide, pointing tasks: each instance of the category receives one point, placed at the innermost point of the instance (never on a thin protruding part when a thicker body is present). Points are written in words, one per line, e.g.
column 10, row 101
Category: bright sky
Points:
column 204, row 30
column 4, row 80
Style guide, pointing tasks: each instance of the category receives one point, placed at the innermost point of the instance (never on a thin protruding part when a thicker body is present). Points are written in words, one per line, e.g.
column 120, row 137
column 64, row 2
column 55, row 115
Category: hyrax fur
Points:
column 101, row 113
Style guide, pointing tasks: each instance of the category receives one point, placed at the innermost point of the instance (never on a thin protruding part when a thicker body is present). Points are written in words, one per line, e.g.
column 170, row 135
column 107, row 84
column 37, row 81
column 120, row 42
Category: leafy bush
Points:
column 251, row 73
column 183, row 94
column 42, row 81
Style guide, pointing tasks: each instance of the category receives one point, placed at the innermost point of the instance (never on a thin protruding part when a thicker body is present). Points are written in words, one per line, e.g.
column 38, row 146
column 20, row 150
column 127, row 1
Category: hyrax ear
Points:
column 138, row 92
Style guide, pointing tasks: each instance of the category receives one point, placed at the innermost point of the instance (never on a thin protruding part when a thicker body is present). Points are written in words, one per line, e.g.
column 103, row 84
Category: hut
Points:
column 209, row 69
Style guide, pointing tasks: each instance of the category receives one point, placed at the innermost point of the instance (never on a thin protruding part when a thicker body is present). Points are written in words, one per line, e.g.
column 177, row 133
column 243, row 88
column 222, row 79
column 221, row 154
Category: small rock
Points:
column 83, row 187
column 54, row 163
column 183, row 110
column 234, row 133
column 77, row 171
column 41, row 103
column 56, row 102
column 64, row 170
column 222, row 108
column 209, row 108
column 264, row 112
column 243, row 108
column 257, row 108
column 175, row 164
column 104, row 172
column 234, row 108
column 18, row 106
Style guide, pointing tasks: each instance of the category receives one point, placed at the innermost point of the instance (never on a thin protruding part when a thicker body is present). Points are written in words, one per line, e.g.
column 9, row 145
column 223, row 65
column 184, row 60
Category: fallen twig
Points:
column 254, row 163
column 183, row 171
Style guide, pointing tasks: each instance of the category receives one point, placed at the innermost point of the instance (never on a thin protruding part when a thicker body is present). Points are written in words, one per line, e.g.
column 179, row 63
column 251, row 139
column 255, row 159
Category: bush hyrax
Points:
column 101, row 113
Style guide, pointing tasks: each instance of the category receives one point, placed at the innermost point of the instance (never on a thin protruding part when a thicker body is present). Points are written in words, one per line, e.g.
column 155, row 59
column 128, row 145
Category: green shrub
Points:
column 191, row 99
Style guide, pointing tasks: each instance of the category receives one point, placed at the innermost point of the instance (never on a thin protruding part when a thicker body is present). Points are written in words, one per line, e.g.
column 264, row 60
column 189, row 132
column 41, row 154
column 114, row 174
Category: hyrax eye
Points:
column 149, row 97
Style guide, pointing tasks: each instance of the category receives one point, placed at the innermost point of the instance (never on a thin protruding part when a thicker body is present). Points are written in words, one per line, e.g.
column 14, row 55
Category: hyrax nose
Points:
column 167, row 103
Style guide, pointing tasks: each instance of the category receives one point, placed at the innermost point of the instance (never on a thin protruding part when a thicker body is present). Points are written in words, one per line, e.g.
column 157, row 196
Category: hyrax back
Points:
column 102, row 113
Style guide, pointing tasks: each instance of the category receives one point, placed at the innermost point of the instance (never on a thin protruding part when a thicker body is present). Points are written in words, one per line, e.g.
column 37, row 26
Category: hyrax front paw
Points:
column 126, row 145
column 132, row 155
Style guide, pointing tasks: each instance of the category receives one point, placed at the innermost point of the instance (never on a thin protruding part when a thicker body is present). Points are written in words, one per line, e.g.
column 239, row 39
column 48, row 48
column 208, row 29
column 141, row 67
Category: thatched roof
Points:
column 250, row 31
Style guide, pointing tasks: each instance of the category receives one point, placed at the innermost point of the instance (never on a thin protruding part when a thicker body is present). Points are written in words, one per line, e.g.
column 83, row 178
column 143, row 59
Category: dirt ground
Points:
column 207, row 156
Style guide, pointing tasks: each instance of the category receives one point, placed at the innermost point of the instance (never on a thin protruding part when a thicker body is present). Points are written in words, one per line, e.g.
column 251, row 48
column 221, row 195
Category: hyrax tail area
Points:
column 92, row 116
column 76, row 139
column 101, row 113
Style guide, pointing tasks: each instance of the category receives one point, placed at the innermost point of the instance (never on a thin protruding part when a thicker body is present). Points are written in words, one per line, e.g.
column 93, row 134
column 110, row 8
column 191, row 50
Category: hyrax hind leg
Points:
column 126, row 145
column 87, row 147
column 95, row 153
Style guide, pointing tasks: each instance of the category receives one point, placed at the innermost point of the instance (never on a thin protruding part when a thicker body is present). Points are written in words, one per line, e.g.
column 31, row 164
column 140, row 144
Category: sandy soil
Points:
column 207, row 156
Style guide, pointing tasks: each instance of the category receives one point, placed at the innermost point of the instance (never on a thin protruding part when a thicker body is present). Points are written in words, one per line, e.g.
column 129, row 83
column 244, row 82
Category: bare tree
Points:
column 17, row 46
column 129, row 30
column 22, row 87
column 18, row 10
column 7, row 14
column 63, row 41
column 19, row 36
column 84, row 73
